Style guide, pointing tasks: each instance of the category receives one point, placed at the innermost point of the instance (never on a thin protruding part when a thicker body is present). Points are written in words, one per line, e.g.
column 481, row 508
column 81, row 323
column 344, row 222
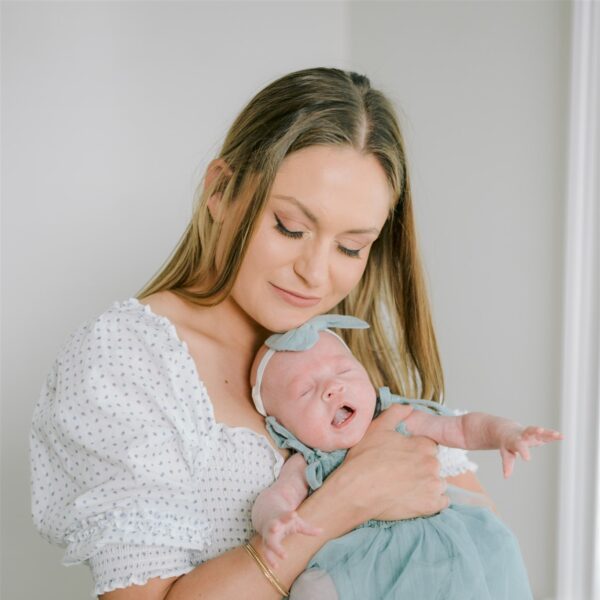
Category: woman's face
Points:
column 327, row 206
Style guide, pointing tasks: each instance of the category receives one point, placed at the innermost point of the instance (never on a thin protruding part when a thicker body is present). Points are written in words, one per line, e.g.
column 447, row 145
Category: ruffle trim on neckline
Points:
column 164, row 321
column 146, row 528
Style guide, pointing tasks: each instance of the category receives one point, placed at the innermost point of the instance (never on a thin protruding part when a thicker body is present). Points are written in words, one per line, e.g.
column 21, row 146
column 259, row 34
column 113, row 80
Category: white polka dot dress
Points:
column 130, row 471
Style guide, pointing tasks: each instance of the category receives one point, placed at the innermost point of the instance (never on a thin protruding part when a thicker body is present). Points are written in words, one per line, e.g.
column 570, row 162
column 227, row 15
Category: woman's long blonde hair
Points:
column 332, row 107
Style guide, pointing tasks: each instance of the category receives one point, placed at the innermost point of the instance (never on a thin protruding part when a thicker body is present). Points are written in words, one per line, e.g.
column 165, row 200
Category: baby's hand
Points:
column 519, row 440
column 276, row 530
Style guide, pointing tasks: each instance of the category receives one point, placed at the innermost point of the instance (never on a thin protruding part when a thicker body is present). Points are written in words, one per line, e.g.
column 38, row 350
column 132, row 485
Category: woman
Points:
column 147, row 452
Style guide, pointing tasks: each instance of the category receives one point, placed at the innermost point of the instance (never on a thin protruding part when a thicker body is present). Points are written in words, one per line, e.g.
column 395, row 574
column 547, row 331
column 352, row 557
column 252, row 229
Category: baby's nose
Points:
column 333, row 390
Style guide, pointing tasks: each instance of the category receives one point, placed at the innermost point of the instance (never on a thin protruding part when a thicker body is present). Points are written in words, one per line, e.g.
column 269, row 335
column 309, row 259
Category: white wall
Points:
column 484, row 88
column 111, row 111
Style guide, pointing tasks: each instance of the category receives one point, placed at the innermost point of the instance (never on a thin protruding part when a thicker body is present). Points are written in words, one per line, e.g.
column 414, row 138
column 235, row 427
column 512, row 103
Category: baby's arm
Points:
column 274, row 513
column 480, row 431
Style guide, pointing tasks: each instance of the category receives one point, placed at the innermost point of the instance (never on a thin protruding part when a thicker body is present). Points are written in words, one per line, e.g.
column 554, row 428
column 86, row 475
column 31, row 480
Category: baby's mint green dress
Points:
column 462, row 553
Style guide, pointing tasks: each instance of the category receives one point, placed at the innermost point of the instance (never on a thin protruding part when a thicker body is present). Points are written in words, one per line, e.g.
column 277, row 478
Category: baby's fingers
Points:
column 273, row 544
column 508, row 461
column 306, row 528
column 296, row 524
column 271, row 557
column 522, row 448
column 534, row 436
column 279, row 529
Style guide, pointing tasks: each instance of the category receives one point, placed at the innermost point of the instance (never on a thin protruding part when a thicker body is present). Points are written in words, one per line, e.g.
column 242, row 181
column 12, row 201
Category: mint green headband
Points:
column 298, row 339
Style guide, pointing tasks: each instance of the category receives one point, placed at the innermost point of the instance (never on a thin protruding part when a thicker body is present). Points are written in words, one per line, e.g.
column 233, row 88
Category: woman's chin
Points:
column 284, row 323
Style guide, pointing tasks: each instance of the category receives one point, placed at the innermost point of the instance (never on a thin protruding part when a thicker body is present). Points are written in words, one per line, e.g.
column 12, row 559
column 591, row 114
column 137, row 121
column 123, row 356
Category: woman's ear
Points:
column 215, row 168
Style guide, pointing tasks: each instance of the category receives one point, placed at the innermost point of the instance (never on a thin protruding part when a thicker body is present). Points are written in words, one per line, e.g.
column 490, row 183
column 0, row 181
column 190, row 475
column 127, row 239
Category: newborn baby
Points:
column 320, row 402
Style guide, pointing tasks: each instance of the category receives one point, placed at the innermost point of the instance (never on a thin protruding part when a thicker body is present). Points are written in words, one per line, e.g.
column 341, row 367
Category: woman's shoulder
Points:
column 127, row 354
column 127, row 325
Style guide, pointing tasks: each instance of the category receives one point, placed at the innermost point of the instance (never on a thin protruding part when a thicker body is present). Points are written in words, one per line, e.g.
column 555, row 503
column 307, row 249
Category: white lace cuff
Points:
column 454, row 461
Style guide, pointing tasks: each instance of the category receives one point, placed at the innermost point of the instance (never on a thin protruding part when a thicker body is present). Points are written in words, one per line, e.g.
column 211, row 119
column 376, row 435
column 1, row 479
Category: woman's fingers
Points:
column 425, row 493
column 390, row 418
column 391, row 476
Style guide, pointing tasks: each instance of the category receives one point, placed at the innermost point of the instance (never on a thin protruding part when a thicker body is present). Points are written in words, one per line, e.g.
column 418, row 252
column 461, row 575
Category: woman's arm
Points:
column 385, row 476
column 235, row 575
column 474, row 494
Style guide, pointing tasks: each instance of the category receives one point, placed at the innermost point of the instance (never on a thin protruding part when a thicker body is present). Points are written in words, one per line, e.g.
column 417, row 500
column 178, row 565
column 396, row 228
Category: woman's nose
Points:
column 312, row 265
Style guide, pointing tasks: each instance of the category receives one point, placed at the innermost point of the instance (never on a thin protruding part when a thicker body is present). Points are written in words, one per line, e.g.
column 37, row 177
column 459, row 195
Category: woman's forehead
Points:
column 334, row 182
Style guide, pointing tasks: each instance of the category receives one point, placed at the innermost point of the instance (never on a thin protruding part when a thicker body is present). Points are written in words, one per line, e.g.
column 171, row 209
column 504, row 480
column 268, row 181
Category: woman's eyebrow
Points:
column 314, row 219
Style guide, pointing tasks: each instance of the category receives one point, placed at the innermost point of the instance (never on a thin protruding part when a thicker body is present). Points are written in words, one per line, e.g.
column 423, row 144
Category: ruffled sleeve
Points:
column 116, row 445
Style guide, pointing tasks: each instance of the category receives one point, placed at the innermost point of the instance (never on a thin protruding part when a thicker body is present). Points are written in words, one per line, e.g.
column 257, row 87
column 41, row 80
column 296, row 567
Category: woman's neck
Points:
column 226, row 324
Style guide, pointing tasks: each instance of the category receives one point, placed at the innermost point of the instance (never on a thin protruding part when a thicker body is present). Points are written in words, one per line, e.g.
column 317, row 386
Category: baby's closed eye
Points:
column 303, row 388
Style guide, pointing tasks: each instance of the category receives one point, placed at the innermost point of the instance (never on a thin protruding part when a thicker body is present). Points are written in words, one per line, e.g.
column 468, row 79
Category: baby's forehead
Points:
column 330, row 344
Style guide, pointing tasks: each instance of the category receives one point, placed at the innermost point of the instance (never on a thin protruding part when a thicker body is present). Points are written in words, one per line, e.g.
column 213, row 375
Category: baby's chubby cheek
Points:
column 275, row 405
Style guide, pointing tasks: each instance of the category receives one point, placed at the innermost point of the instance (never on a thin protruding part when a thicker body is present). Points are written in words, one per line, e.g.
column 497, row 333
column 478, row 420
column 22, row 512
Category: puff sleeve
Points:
column 117, row 439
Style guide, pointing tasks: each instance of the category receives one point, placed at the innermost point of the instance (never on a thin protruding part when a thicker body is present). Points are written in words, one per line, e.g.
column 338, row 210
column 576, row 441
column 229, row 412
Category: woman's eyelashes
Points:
column 298, row 234
column 285, row 231
column 349, row 252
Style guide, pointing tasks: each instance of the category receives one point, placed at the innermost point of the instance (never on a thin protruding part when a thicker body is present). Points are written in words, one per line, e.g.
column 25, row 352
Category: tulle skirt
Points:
column 462, row 553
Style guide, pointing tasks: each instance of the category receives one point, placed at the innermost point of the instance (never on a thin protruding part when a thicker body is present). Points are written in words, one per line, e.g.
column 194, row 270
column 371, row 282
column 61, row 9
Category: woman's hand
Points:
column 389, row 476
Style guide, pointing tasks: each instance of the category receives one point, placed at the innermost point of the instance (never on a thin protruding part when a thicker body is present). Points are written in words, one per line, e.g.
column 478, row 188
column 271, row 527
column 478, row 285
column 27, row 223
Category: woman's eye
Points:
column 298, row 234
column 285, row 231
column 349, row 252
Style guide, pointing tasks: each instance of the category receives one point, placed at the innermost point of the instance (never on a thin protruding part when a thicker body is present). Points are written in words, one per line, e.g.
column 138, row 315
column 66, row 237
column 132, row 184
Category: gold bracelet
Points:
column 249, row 548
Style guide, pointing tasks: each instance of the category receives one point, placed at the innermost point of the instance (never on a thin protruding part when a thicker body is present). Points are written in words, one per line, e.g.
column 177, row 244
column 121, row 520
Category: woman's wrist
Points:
column 265, row 569
column 333, row 506
column 327, row 509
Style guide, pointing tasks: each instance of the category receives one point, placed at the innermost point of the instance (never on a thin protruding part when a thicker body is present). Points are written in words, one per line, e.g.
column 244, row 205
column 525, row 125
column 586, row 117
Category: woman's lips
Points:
column 295, row 299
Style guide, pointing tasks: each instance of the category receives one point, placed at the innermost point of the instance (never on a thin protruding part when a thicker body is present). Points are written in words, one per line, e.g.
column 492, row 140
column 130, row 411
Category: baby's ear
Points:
column 217, row 175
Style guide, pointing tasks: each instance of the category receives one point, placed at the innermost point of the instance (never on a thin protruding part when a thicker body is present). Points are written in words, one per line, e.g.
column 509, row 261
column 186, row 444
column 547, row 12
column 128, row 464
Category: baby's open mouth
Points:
column 342, row 415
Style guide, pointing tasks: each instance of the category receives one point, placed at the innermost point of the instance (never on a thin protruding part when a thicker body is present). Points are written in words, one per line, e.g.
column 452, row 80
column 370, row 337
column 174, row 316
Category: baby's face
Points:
column 323, row 395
